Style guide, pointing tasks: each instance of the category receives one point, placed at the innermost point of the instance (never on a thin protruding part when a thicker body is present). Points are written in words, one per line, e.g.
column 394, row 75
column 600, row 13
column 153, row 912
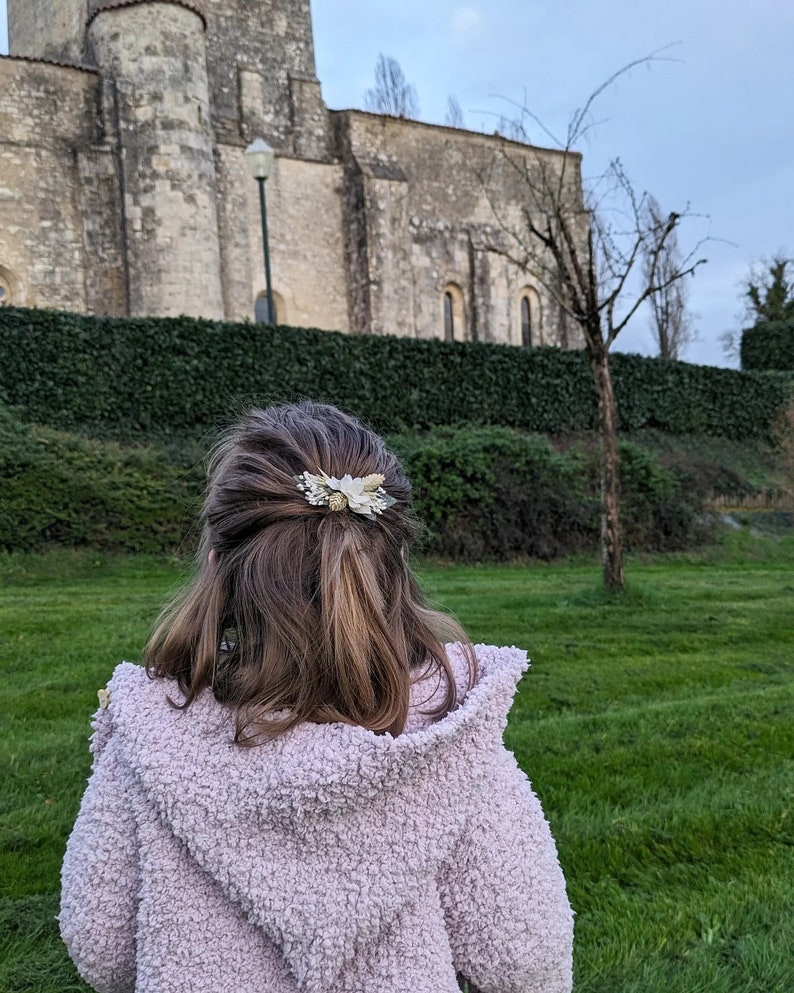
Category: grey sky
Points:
column 712, row 129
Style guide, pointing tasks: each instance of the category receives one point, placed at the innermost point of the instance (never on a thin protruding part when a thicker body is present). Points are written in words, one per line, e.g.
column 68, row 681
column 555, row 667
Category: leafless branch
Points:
column 392, row 93
column 600, row 252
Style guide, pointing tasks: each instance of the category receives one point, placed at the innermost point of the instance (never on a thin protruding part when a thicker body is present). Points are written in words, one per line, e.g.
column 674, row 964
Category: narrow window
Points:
column 453, row 313
column 530, row 318
column 526, row 323
column 260, row 310
column 449, row 317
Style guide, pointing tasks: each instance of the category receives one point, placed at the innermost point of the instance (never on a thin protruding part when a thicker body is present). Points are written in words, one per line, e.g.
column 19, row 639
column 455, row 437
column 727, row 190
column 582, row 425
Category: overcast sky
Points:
column 712, row 129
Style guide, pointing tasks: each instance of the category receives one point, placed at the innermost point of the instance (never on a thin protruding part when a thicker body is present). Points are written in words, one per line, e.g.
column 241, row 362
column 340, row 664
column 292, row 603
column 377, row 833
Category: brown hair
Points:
column 303, row 613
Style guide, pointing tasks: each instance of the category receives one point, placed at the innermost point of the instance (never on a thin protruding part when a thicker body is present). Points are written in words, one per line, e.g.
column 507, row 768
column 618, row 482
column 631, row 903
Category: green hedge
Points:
column 176, row 377
column 768, row 345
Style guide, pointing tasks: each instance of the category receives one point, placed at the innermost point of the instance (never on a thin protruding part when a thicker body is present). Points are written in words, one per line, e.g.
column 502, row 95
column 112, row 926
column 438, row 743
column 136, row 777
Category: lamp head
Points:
column 260, row 158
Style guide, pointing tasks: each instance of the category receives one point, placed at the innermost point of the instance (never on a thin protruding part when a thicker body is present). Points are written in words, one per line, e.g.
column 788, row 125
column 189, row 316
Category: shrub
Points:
column 768, row 345
column 495, row 493
column 498, row 494
column 61, row 489
column 784, row 438
column 662, row 507
column 165, row 378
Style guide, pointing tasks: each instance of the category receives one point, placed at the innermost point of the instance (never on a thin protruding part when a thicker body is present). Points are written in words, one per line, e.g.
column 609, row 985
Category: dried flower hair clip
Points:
column 363, row 495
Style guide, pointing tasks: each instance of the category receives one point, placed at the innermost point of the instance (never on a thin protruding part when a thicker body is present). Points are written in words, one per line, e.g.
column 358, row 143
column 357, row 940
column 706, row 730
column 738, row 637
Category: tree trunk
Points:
column 611, row 537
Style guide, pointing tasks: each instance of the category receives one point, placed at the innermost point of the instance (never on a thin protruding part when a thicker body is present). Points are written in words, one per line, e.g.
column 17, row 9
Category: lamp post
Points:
column 260, row 161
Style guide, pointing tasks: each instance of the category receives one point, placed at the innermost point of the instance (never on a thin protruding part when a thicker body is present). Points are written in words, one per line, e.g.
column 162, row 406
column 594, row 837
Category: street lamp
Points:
column 260, row 161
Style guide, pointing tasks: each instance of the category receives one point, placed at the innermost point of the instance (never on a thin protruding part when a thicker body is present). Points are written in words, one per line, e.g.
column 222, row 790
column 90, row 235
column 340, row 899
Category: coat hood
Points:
column 325, row 834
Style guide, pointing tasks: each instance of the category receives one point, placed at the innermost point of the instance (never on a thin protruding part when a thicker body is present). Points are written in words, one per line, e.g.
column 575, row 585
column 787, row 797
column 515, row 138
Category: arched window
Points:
column 449, row 317
column 453, row 313
column 526, row 323
column 260, row 309
column 7, row 289
column 529, row 317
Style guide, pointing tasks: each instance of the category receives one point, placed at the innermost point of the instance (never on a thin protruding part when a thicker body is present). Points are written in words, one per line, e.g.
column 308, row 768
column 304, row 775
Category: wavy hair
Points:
column 296, row 612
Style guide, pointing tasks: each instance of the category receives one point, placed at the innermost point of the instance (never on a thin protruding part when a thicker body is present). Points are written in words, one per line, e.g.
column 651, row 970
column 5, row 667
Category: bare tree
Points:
column 453, row 118
column 512, row 128
column 671, row 319
column 392, row 93
column 585, row 247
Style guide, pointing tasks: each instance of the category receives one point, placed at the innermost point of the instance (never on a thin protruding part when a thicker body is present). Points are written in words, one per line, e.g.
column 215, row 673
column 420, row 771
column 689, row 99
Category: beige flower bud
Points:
column 373, row 481
column 337, row 501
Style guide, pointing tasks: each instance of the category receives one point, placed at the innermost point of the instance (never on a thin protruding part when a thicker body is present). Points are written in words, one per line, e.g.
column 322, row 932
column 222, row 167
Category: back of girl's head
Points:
column 298, row 612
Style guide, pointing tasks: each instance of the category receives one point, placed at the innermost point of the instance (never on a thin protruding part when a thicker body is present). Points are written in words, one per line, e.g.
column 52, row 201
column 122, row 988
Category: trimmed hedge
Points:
column 176, row 377
column 768, row 345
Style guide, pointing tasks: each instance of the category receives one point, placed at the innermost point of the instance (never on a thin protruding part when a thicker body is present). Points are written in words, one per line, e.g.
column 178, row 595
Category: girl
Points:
column 305, row 788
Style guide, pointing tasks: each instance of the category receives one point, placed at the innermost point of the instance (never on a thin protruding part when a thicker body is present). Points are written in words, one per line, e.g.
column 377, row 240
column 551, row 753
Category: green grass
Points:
column 755, row 463
column 656, row 727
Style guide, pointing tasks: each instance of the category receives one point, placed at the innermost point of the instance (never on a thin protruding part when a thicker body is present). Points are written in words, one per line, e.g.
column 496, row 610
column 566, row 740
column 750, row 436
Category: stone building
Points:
column 124, row 187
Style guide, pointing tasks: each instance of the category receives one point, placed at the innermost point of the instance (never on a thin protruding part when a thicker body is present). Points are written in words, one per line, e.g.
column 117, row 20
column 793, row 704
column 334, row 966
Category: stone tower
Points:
column 156, row 108
column 262, row 75
column 47, row 29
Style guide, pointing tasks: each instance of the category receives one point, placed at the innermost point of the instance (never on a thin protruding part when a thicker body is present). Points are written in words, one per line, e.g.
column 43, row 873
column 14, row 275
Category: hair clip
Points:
column 363, row 495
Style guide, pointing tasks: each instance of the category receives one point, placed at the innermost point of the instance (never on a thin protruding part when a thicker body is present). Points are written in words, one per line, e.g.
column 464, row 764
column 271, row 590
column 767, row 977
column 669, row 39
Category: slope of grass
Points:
column 746, row 463
column 656, row 728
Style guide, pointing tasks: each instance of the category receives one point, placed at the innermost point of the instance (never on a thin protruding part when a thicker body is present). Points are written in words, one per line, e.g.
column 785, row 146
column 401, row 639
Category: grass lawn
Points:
column 657, row 729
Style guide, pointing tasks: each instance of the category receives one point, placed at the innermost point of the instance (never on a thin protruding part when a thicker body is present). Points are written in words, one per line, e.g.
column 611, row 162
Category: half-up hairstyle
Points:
column 298, row 612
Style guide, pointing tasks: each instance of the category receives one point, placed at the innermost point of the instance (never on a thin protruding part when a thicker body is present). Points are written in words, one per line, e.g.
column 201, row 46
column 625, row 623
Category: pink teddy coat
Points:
column 329, row 860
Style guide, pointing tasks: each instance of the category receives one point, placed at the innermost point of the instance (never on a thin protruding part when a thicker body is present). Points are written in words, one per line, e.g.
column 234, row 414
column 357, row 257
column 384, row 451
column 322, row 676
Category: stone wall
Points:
column 304, row 210
column 126, row 191
column 423, row 218
column 307, row 258
column 238, row 221
column 100, row 206
column 47, row 114
column 93, row 6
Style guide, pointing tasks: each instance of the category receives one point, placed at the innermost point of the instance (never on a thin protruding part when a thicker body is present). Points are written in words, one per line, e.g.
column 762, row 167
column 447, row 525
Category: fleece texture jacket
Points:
column 327, row 860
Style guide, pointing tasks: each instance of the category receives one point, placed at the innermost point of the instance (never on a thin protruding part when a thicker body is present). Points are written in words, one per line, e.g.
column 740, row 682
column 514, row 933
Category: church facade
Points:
column 124, row 187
